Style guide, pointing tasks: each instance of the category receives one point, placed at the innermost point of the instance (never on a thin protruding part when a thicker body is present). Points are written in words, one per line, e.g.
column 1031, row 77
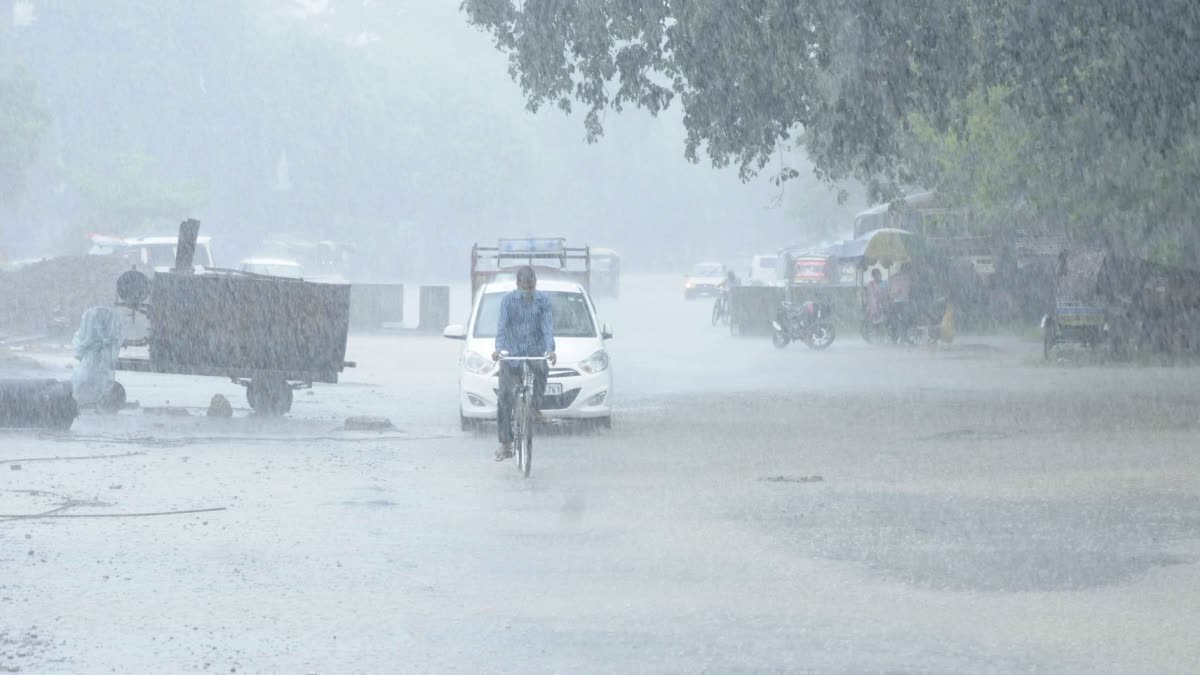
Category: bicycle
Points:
column 522, row 414
column 720, row 313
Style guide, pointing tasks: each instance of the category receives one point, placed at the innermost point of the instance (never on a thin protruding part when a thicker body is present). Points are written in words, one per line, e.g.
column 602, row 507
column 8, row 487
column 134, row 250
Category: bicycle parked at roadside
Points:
column 720, row 313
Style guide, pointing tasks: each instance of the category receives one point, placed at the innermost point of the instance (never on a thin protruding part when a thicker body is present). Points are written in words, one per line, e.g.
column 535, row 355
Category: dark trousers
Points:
column 510, row 383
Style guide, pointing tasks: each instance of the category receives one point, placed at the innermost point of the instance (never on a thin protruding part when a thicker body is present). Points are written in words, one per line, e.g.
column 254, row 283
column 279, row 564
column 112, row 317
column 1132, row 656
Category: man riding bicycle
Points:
column 526, row 328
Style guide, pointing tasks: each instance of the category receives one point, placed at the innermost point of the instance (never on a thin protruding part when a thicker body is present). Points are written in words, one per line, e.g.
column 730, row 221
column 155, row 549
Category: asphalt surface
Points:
column 861, row 509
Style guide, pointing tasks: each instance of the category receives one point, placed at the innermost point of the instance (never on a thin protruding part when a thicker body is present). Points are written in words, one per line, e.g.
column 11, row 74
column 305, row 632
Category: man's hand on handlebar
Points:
column 550, row 356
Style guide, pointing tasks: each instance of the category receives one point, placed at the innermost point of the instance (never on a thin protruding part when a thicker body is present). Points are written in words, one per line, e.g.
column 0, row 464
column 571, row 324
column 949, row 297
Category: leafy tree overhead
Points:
column 844, row 78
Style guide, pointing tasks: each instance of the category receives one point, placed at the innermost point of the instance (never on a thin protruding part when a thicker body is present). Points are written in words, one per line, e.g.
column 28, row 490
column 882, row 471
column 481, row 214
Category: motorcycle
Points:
column 806, row 322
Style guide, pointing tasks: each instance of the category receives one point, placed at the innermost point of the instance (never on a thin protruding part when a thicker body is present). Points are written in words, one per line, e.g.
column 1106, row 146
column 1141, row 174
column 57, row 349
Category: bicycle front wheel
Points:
column 524, row 441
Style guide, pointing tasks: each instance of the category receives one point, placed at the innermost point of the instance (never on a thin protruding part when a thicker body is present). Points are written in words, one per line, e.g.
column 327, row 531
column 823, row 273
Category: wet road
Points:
column 753, row 510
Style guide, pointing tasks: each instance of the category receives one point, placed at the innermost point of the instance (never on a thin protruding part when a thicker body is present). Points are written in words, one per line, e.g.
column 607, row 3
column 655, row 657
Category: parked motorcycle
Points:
column 806, row 322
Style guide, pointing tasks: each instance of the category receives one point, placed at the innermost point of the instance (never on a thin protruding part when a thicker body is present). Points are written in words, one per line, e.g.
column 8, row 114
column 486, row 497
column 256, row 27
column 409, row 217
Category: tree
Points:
column 23, row 122
column 128, row 196
column 844, row 79
column 1070, row 175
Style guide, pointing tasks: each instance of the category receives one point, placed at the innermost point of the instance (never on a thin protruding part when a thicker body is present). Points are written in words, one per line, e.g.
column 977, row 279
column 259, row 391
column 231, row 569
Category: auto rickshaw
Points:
column 1080, row 314
column 606, row 273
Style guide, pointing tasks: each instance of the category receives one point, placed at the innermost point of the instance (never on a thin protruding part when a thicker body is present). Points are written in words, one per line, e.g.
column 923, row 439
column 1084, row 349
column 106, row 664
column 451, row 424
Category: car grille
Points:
column 561, row 402
column 554, row 373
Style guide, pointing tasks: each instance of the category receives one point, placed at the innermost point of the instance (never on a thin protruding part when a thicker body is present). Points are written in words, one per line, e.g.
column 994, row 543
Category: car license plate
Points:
column 554, row 389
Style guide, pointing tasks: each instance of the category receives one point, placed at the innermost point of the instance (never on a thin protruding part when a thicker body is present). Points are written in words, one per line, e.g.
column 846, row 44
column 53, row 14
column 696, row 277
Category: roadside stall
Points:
column 928, row 274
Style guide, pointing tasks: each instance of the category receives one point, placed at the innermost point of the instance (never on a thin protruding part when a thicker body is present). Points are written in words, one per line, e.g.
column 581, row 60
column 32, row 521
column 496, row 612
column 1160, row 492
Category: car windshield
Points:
column 571, row 315
column 767, row 263
column 160, row 255
column 707, row 271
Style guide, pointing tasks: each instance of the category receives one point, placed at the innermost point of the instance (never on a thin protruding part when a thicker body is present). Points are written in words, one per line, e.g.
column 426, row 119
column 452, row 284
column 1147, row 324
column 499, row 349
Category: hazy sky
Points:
column 479, row 165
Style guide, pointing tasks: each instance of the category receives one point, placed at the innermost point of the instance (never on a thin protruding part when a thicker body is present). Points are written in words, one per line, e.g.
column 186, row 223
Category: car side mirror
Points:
column 606, row 332
column 455, row 332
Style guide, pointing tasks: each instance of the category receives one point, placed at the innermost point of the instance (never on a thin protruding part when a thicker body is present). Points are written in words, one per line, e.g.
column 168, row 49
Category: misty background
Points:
column 392, row 125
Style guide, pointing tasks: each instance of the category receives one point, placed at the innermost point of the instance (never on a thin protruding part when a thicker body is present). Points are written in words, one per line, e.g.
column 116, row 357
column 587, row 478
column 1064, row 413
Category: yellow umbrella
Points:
column 887, row 244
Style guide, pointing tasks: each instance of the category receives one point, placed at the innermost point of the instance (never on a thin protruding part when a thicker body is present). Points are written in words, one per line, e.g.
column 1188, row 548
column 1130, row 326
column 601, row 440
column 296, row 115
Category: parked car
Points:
column 705, row 279
column 273, row 267
column 152, row 254
column 579, row 386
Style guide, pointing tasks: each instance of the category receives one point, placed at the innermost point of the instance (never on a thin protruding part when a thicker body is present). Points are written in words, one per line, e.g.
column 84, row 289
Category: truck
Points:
column 550, row 257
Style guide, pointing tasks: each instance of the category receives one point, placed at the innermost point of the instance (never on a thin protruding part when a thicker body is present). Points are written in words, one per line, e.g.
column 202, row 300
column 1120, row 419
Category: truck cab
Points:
column 606, row 272
column 764, row 270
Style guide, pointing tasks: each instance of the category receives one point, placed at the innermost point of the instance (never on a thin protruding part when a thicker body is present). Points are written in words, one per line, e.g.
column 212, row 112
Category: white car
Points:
column 153, row 254
column 705, row 279
column 579, row 386
column 273, row 267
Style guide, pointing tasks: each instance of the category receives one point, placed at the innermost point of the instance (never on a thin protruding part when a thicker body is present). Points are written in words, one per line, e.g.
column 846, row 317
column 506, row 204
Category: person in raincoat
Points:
column 97, row 344
column 877, row 297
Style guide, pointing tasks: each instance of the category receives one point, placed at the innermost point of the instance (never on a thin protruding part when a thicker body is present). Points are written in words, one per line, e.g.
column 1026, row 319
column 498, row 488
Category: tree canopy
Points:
column 848, row 80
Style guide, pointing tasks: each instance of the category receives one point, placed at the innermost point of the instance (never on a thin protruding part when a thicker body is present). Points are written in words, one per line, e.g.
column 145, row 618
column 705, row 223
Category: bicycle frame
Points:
column 522, row 416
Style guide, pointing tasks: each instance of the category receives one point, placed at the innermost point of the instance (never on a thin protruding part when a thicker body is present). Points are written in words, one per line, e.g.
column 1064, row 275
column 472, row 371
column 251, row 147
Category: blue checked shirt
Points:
column 526, row 328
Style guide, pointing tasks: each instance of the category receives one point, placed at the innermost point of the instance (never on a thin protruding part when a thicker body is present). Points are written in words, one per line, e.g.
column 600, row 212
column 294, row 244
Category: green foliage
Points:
column 23, row 123
column 1070, row 175
column 131, row 197
column 1071, row 111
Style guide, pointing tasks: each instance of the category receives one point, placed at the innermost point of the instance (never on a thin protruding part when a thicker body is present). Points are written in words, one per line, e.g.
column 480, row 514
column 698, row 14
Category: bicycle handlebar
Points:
column 524, row 358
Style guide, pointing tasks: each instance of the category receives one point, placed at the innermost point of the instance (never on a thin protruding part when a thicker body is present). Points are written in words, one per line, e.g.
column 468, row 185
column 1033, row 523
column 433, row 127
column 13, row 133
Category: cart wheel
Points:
column 269, row 397
column 113, row 401
column 1049, row 336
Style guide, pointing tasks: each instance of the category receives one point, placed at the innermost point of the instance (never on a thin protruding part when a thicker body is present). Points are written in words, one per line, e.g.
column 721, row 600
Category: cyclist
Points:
column 526, row 328
column 731, row 281
column 727, row 285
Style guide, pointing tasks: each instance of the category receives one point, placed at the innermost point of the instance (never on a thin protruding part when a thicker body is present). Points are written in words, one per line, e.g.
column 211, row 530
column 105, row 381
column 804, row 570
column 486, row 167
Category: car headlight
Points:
column 688, row 284
column 595, row 363
column 478, row 364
